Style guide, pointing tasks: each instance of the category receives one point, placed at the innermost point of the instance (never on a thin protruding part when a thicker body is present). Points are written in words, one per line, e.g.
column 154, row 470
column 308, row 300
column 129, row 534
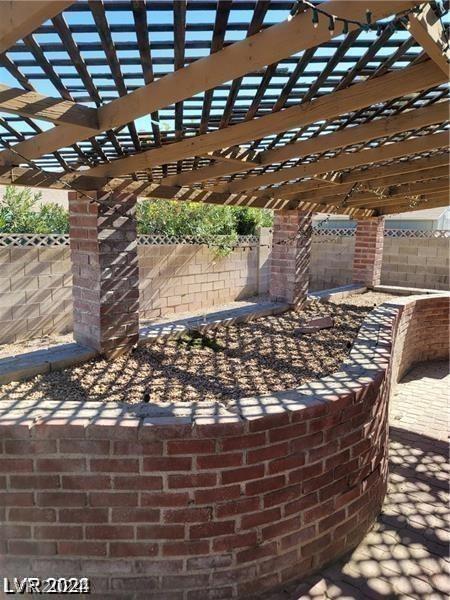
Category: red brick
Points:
column 86, row 482
column 113, row 499
column 186, row 548
column 230, row 542
column 314, row 514
column 301, row 503
column 285, row 433
column 287, row 463
column 128, row 549
column 16, row 499
column 30, row 447
column 124, row 448
column 35, row 482
column 187, row 515
column 109, row 532
column 160, row 532
column 242, row 474
column 268, row 453
column 193, row 480
column 60, row 465
column 179, row 463
column 307, row 442
column 256, row 553
column 190, row 446
column 83, row 515
column 266, row 484
column 335, row 519
column 29, row 548
column 219, row 461
column 237, row 507
column 116, row 465
column 296, row 538
column 61, row 499
column 243, row 442
column 84, row 446
column 15, row 465
column 58, row 532
column 269, row 422
column 13, row 531
column 282, row 496
column 137, row 482
column 213, row 529
column 217, row 494
column 83, row 548
column 163, row 499
column 281, row 528
column 32, row 515
column 260, row 518
column 135, row 515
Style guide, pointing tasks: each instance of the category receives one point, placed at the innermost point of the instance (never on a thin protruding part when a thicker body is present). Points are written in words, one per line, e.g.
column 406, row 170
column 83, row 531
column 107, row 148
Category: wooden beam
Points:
column 427, row 30
column 20, row 18
column 342, row 161
column 385, row 127
column 371, row 184
column 406, row 207
column 55, row 110
column 392, row 85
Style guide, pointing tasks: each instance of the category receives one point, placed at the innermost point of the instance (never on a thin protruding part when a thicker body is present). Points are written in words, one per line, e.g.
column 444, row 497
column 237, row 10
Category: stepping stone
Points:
column 316, row 324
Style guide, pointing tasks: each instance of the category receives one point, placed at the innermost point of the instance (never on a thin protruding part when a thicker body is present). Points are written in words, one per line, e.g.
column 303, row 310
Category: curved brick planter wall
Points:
column 205, row 506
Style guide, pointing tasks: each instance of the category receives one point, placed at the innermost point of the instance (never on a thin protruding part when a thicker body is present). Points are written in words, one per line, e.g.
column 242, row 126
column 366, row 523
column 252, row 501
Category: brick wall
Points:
column 36, row 292
column 205, row 506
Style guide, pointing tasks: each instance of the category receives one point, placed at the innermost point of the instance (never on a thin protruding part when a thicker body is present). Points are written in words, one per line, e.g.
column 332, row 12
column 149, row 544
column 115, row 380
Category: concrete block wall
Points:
column 416, row 262
column 331, row 261
column 36, row 284
column 184, row 278
column 35, row 292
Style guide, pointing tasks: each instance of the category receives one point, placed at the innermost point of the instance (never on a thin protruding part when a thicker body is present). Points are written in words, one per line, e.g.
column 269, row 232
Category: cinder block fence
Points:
column 36, row 281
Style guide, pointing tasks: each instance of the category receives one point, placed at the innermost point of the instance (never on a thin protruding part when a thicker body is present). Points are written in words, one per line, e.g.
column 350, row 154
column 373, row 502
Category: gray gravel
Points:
column 240, row 360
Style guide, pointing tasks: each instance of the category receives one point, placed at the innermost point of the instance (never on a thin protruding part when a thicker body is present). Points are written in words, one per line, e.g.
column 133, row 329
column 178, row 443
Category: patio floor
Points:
column 406, row 553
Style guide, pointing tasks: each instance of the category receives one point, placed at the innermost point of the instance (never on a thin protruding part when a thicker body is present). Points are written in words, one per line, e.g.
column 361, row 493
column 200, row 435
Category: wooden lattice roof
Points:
column 247, row 102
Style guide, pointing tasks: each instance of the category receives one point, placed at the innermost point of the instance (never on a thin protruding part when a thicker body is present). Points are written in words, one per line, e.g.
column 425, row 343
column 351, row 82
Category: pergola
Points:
column 333, row 107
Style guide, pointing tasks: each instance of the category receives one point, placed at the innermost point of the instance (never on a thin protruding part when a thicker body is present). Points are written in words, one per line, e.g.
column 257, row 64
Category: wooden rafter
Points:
column 18, row 19
column 427, row 29
column 379, row 128
column 343, row 161
column 391, row 85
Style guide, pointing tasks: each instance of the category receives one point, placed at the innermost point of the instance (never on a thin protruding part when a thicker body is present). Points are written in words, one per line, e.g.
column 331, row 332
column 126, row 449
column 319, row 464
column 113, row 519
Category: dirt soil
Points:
column 245, row 359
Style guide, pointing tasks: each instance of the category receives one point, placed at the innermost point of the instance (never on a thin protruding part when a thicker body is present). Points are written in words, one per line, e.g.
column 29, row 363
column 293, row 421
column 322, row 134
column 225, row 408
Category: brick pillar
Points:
column 291, row 253
column 105, row 271
column 368, row 251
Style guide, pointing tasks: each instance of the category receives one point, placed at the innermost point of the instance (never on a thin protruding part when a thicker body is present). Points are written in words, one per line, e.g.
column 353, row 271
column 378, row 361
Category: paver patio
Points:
column 406, row 553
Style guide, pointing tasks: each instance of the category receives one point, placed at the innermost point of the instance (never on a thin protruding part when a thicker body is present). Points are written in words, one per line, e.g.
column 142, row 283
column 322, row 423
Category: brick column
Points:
column 105, row 271
column 291, row 252
column 368, row 251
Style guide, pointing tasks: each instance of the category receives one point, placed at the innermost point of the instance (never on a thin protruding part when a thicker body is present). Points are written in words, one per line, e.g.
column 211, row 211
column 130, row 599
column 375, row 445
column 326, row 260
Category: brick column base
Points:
column 105, row 271
column 291, row 253
column 368, row 251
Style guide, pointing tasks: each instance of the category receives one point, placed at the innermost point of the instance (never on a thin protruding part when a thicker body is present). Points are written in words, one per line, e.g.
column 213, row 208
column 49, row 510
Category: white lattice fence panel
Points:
column 32, row 240
column 173, row 240
column 416, row 233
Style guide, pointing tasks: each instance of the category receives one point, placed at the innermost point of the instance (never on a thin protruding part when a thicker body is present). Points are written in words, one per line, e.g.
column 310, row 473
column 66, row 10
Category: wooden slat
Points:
column 406, row 207
column 19, row 19
column 32, row 104
column 428, row 32
column 422, row 76
column 98, row 12
column 255, row 25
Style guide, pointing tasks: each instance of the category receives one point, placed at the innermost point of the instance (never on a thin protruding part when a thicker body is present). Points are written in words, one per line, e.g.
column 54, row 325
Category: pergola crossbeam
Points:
column 427, row 29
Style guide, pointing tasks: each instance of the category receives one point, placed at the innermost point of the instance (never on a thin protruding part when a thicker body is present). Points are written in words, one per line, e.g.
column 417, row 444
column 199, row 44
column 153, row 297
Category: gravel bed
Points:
column 370, row 299
column 245, row 359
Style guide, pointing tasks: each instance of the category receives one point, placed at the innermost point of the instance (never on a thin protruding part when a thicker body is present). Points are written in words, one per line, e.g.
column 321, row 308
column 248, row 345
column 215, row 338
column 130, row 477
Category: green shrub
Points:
column 20, row 212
